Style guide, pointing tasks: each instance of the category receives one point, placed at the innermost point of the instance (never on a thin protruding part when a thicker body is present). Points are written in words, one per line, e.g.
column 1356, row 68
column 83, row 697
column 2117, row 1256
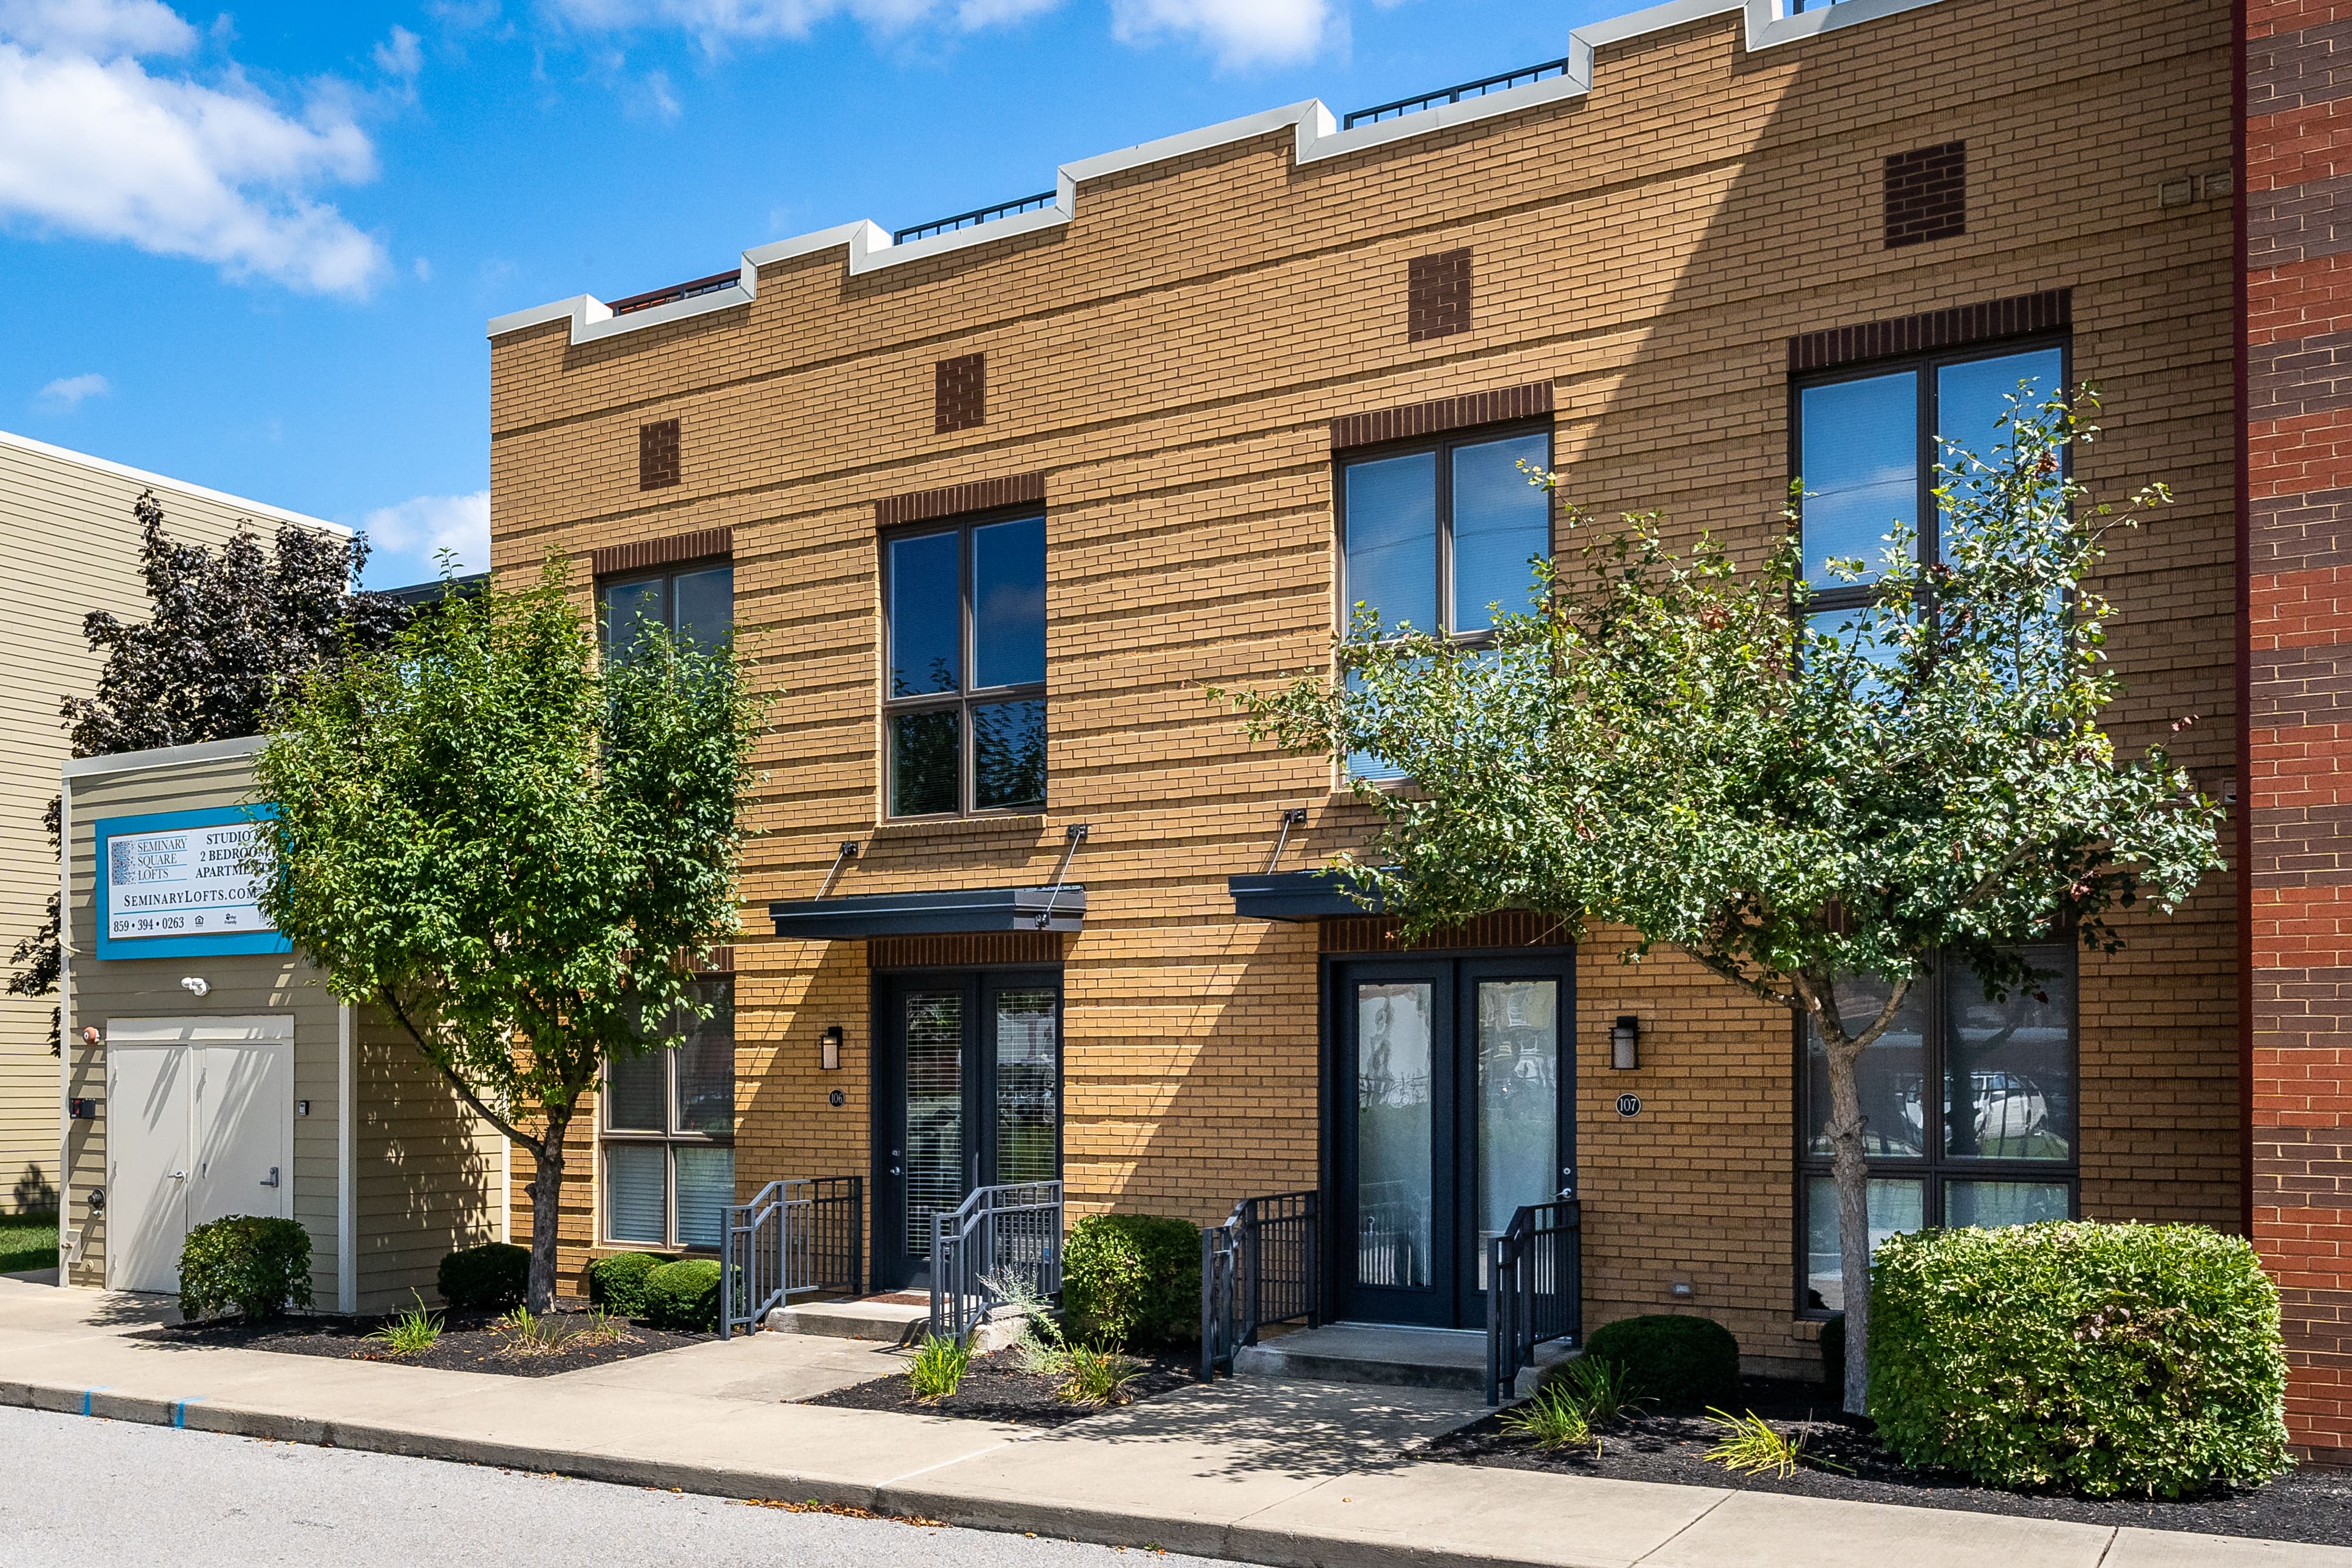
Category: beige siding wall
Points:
column 431, row 1174
column 68, row 545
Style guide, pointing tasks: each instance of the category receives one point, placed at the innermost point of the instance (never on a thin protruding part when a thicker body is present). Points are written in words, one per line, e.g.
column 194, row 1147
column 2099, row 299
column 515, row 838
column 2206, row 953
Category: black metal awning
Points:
column 1294, row 895
column 932, row 914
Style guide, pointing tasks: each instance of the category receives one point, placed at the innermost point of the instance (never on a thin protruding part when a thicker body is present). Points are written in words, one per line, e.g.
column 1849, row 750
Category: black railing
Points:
column 976, row 216
column 675, row 292
column 1000, row 1235
column 794, row 1238
column 1262, row 1266
column 1535, row 1288
column 1479, row 88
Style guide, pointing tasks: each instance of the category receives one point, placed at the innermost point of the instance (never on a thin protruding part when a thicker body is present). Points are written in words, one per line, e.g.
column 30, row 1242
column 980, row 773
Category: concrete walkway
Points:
column 1285, row 1474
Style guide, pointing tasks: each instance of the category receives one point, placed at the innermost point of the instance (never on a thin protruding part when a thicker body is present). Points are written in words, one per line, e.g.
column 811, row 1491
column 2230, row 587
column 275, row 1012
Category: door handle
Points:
column 271, row 1179
column 178, row 1175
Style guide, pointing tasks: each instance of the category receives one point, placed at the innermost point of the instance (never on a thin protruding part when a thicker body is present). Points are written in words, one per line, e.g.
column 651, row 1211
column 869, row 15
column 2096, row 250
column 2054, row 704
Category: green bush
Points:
column 2105, row 1358
column 489, row 1279
column 258, row 1266
column 618, row 1283
column 683, row 1295
column 1678, row 1363
column 1132, row 1280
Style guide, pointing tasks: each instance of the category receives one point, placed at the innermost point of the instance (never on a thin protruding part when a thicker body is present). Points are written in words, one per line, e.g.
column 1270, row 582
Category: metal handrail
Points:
column 1524, row 76
column 976, row 216
column 1535, row 1288
column 999, row 1233
column 675, row 292
column 1263, row 1265
column 794, row 1237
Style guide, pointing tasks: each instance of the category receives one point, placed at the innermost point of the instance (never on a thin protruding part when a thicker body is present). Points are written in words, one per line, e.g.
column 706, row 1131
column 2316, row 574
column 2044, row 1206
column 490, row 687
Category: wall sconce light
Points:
column 1625, row 1044
column 195, row 985
column 829, row 1056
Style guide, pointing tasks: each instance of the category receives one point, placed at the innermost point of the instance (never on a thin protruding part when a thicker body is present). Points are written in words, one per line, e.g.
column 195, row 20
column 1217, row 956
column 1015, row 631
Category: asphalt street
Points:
column 77, row 1493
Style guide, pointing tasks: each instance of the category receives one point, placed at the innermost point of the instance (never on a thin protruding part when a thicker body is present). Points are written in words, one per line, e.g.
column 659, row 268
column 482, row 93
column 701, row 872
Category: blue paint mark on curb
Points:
column 180, row 1410
column 87, row 1392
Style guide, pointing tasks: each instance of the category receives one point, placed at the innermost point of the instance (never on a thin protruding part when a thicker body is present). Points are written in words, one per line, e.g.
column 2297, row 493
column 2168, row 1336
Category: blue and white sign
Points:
column 178, row 884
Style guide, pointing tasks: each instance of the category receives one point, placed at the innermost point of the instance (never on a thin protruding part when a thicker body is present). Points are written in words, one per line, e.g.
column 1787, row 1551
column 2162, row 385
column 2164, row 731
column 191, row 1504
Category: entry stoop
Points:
column 891, row 1320
column 1387, row 1354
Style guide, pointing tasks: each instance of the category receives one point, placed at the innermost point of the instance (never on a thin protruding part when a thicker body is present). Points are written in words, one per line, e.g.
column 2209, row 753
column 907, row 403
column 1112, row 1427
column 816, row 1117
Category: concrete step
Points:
column 892, row 1322
column 1387, row 1354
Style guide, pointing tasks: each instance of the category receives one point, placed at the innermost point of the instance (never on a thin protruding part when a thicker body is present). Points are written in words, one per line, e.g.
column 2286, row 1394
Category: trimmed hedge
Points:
column 684, row 1295
column 489, row 1279
column 258, row 1266
column 2104, row 1358
column 1680, row 1362
column 618, row 1283
column 1132, row 1280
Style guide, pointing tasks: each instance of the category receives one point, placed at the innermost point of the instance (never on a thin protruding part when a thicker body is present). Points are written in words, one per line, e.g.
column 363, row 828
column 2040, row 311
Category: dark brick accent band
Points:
column 1529, row 401
column 658, row 459
column 2304, row 1167
column 2048, row 311
column 1378, row 932
column 1927, row 194
column 960, row 387
column 2298, row 222
column 2297, row 686
column 703, row 544
column 964, row 951
column 951, row 500
column 2310, row 532
column 2297, row 376
column 2287, row 71
column 1437, row 295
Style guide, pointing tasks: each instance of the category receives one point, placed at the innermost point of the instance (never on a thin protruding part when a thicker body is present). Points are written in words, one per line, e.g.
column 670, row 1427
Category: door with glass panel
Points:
column 968, row 1093
column 1453, row 1109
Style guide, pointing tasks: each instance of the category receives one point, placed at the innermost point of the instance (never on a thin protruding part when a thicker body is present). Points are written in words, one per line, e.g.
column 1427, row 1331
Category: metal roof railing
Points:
column 675, row 292
column 1479, row 88
column 971, row 219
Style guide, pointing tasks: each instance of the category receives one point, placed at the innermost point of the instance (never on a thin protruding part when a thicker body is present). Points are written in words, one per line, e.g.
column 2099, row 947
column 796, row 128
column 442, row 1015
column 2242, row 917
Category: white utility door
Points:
column 222, row 1104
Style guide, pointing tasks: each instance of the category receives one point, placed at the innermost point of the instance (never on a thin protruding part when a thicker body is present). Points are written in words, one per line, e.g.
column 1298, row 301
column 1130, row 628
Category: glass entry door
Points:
column 1453, row 1108
column 967, row 1093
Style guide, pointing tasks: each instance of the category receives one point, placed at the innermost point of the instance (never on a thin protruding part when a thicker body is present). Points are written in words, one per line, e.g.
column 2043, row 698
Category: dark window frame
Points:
column 667, row 576
column 1935, row 1167
column 670, row 1139
column 967, row 697
column 1838, row 596
column 1442, row 446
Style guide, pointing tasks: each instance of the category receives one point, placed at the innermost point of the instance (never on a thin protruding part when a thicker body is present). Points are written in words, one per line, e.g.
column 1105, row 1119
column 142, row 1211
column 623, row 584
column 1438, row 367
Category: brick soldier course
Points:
column 1634, row 255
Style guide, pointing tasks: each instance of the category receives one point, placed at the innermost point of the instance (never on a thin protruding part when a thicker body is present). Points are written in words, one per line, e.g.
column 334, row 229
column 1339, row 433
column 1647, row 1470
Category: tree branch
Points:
column 536, row 1146
column 1732, row 972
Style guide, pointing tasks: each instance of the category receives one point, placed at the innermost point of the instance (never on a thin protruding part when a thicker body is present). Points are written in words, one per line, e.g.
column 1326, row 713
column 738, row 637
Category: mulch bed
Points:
column 2309, row 1505
column 996, row 1388
column 467, row 1344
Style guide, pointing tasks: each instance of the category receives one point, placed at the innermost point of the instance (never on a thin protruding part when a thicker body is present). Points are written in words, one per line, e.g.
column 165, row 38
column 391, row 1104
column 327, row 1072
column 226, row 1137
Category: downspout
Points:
column 347, row 1197
column 65, row 1029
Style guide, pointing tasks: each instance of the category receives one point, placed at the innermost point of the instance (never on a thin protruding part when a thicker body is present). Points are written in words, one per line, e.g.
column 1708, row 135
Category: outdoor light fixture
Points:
column 1625, row 1044
column 830, row 1059
column 195, row 985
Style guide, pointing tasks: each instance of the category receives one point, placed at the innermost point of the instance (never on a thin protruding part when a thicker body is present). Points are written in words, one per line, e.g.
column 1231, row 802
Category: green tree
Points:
column 1673, row 744
column 520, row 858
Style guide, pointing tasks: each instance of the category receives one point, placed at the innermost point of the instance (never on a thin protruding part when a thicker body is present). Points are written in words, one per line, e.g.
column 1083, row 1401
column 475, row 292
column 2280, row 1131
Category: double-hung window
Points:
column 1969, row 1108
column 667, row 1135
column 963, row 698
column 1434, row 536
column 693, row 603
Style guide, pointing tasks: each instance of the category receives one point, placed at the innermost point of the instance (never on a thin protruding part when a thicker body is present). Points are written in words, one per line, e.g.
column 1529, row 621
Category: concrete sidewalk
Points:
column 1282, row 1474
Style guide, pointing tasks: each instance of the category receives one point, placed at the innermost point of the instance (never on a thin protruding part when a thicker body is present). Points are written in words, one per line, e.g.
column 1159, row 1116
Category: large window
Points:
column 695, row 603
column 1969, row 1106
column 1866, row 446
column 667, row 1135
column 963, row 700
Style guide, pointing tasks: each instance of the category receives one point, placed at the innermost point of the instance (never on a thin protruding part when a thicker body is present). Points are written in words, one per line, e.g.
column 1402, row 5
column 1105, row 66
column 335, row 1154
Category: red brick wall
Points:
column 2297, row 329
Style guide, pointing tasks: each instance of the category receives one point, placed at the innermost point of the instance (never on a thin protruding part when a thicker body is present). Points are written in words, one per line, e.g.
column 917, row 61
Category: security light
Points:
column 1625, row 1044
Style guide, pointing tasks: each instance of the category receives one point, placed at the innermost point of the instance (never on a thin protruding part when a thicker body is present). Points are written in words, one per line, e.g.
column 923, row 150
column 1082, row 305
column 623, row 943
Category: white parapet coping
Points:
column 1315, row 129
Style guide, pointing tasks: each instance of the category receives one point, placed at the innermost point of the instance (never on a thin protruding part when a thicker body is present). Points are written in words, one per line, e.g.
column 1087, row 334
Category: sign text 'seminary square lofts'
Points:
column 989, row 507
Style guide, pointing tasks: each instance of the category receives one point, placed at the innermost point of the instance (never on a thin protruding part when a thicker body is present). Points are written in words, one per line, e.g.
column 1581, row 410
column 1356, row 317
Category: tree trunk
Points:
column 1850, row 1170
column 546, row 1191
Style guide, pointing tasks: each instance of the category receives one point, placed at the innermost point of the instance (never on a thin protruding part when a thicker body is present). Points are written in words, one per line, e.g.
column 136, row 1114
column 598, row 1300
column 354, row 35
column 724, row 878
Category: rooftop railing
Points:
column 1479, row 88
column 976, row 216
column 675, row 292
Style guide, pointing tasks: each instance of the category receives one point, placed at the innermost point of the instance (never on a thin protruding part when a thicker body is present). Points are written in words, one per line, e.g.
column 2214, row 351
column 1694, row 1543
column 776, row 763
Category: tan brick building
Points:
column 992, row 506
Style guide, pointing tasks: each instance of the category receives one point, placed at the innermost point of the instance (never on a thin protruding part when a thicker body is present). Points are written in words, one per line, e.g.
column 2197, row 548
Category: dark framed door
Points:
column 1454, row 1107
column 967, row 1093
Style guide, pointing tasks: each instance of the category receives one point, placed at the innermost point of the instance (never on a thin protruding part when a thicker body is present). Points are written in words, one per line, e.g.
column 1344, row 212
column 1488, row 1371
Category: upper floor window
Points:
column 1434, row 534
column 694, row 603
column 963, row 699
column 1867, row 448
column 666, row 1137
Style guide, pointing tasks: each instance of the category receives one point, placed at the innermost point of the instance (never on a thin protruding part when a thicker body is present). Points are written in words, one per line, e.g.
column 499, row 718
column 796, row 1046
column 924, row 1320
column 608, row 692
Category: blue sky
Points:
column 255, row 248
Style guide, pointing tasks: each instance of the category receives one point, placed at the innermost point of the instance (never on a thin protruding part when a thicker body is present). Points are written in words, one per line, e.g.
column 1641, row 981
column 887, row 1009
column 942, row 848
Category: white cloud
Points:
column 68, row 391
column 422, row 268
column 715, row 22
column 1242, row 32
column 94, row 145
column 401, row 54
column 426, row 525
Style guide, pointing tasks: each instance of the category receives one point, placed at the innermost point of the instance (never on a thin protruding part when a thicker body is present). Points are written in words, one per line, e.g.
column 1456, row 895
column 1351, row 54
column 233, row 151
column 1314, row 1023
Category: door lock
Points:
column 271, row 1179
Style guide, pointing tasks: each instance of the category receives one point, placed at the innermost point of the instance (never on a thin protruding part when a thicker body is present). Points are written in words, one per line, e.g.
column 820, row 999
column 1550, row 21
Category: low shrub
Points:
column 258, row 1266
column 2104, row 1358
column 1132, row 1280
column 683, row 1295
column 1681, row 1363
column 618, row 1283
column 487, row 1278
